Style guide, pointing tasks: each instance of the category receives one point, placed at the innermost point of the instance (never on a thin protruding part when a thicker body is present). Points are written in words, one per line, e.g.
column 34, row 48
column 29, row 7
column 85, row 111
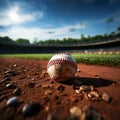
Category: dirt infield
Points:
column 32, row 83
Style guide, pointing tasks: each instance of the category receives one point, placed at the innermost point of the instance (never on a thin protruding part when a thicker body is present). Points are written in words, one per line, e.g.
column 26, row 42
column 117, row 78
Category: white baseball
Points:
column 61, row 67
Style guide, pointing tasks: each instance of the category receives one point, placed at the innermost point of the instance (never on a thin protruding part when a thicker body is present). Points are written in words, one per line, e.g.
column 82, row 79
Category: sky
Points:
column 58, row 19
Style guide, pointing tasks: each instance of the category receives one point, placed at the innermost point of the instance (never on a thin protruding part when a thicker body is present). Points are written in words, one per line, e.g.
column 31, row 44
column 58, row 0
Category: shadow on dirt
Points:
column 96, row 82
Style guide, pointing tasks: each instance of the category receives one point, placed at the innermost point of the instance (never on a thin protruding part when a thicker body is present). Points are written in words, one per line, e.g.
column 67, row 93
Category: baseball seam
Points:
column 69, row 63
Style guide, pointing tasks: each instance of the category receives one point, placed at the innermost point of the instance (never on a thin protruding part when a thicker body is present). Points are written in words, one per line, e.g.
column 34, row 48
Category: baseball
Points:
column 61, row 67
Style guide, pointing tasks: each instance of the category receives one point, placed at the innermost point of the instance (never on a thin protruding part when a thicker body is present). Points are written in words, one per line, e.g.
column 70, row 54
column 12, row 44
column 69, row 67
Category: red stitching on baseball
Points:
column 67, row 62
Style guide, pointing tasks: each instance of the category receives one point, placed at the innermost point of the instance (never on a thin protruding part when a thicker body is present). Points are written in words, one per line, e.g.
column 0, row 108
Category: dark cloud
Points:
column 51, row 32
column 2, row 27
column 109, row 20
column 72, row 29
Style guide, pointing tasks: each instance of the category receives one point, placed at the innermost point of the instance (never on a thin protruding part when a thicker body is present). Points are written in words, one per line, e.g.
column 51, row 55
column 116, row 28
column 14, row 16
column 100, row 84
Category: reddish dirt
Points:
column 31, row 77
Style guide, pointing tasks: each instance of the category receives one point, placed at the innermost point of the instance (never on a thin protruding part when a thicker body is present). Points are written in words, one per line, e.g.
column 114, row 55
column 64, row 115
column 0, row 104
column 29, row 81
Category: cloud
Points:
column 72, row 30
column 16, row 32
column 22, row 32
column 38, row 14
column 15, row 16
column 51, row 32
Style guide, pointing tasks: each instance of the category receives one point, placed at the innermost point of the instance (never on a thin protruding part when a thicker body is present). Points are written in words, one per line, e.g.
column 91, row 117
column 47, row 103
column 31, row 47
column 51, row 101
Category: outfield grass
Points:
column 29, row 56
column 101, row 59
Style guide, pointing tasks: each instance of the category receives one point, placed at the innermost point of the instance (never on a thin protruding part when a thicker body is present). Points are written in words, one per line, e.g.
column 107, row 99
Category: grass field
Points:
column 100, row 59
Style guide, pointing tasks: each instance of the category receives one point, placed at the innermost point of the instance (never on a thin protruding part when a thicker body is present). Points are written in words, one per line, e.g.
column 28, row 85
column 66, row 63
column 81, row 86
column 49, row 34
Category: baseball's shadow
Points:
column 95, row 82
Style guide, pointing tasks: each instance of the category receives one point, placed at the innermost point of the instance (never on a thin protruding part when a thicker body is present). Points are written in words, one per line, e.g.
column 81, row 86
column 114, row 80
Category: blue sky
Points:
column 52, row 19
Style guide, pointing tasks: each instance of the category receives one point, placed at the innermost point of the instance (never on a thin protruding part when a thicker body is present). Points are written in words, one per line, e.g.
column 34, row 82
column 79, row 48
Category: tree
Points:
column 22, row 41
column 81, row 25
column 118, row 30
column 6, row 40
column 82, row 36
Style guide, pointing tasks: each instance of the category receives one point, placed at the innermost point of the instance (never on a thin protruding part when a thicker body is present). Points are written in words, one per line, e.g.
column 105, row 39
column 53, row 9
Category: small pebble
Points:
column 15, row 65
column 31, row 109
column 26, row 110
column 17, row 92
column 78, row 70
column 6, row 75
column 106, row 97
column 76, row 111
column 90, row 95
column 93, row 94
column 10, row 86
column 78, row 91
column 92, row 88
column 47, row 108
column 5, row 80
column 84, row 88
column 96, row 93
column 12, row 102
column 10, row 72
column 25, row 70
column 61, row 88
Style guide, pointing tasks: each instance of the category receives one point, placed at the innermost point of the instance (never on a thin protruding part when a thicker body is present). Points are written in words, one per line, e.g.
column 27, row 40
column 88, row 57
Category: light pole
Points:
column 81, row 25
column 109, row 20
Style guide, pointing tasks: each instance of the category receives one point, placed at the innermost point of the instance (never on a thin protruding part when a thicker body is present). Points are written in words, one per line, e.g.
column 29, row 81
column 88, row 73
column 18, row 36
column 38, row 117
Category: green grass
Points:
column 100, row 59
column 29, row 56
